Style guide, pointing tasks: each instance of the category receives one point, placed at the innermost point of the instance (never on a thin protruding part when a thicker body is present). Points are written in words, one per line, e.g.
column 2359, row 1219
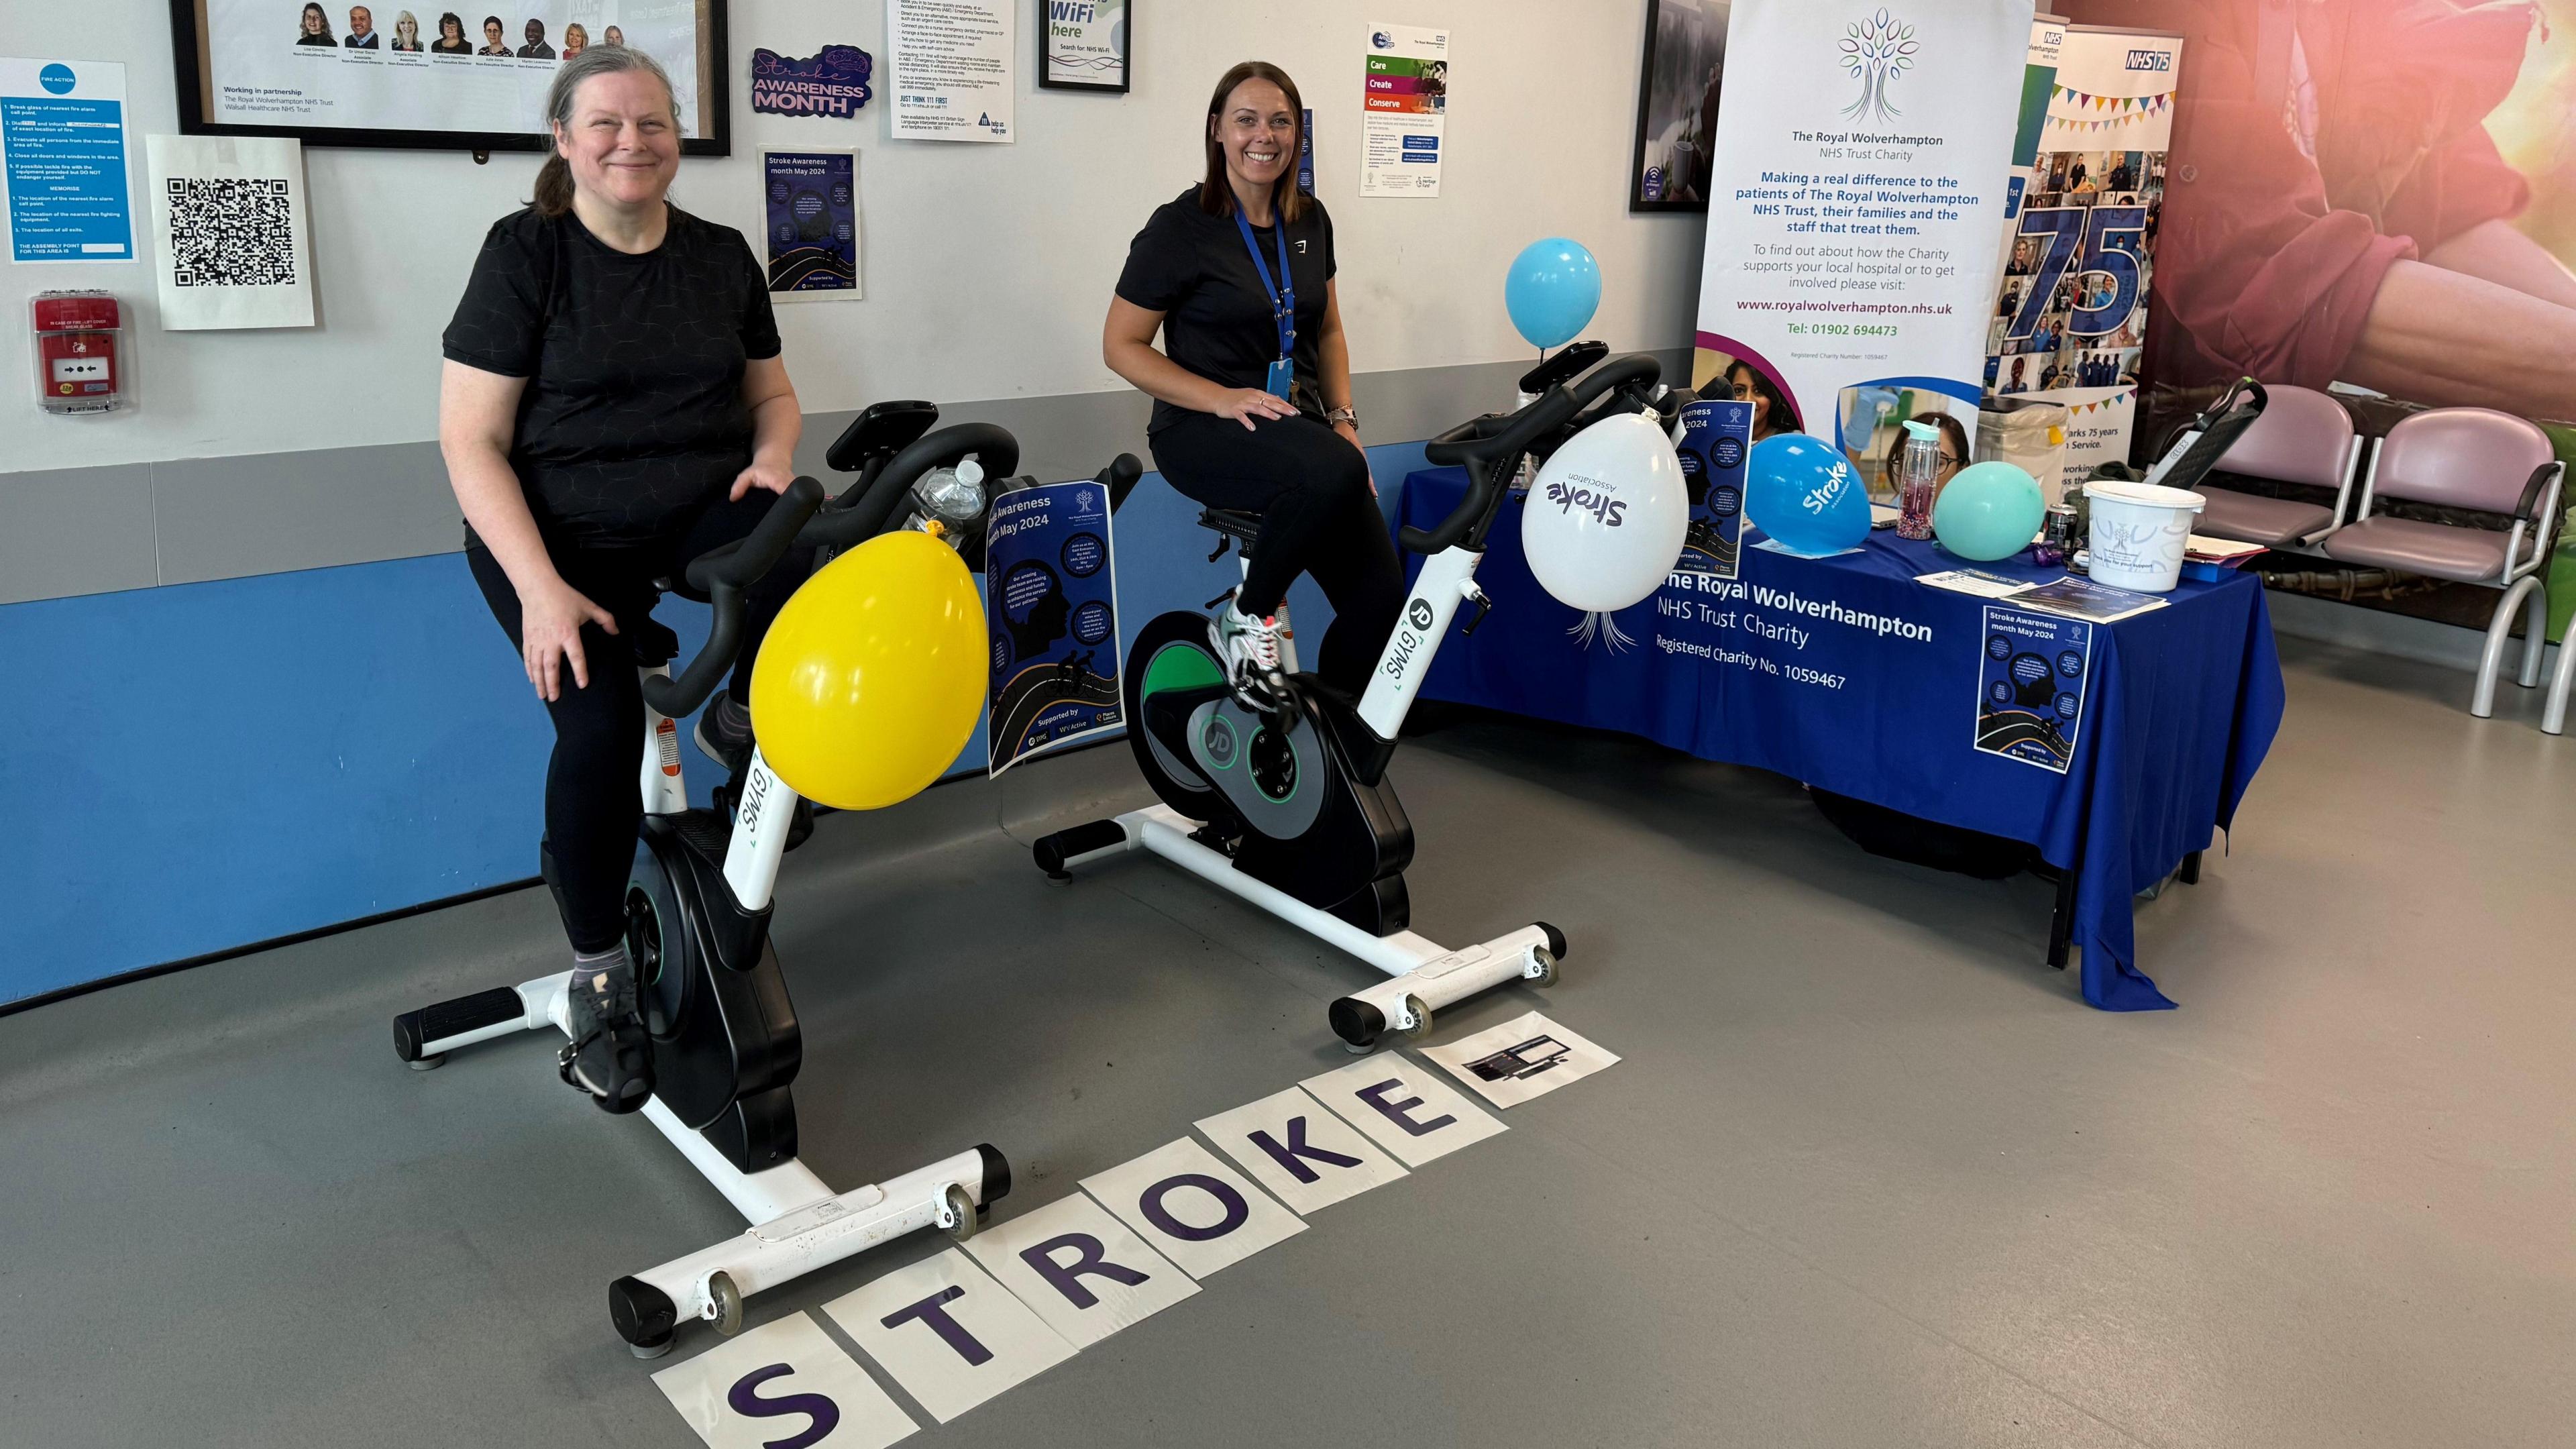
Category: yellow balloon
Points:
column 870, row 682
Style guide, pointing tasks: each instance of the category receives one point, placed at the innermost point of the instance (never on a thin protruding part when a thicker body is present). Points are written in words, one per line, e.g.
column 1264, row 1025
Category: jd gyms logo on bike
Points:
column 1400, row 653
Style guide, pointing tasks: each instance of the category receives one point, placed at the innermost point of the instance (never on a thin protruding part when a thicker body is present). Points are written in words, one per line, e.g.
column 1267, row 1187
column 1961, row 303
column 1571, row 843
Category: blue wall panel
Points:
column 202, row 766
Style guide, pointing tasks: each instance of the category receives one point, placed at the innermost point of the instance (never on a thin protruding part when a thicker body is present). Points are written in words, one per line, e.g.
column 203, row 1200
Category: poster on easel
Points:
column 2069, row 320
column 1716, row 442
column 1052, row 598
column 1857, row 182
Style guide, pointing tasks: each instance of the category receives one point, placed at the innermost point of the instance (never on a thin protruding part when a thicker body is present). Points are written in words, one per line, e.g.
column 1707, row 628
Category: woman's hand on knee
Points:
column 550, row 624
column 1246, row 405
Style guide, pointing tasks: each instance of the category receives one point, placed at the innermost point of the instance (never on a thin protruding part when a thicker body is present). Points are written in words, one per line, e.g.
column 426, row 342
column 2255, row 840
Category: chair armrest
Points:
column 2543, row 482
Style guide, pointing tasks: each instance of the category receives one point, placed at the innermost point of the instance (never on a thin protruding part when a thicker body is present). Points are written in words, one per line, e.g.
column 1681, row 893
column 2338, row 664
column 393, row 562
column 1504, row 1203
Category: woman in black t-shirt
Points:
column 1236, row 423
column 613, row 405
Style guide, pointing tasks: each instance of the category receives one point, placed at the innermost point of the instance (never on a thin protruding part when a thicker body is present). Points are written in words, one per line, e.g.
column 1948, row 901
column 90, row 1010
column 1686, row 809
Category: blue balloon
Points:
column 1802, row 492
column 1552, row 291
column 1992, row 510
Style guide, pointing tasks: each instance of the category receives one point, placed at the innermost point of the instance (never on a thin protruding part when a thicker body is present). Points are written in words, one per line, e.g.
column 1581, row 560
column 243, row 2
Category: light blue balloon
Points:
column 1991, row 510
column 1802, row 492
column 1552, row 291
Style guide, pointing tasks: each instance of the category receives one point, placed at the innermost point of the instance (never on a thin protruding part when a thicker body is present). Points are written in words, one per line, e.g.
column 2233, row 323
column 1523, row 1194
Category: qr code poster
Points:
column 228, row 219
column 2030, row 686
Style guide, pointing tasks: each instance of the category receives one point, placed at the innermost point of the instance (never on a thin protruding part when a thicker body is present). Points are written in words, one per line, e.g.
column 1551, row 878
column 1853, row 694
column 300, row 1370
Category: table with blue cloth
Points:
column 1847, row 675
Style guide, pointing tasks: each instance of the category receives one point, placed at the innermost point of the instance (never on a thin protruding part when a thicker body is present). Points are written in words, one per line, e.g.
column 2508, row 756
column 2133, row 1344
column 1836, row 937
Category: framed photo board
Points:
column 336, row 73
column 1085, row 45
column 1677, row 87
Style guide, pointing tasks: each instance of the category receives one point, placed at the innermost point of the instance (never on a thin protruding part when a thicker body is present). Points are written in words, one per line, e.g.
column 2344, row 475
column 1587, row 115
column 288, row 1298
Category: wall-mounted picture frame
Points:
column 1085, row 45
column 1677, row 86
column 354, row 74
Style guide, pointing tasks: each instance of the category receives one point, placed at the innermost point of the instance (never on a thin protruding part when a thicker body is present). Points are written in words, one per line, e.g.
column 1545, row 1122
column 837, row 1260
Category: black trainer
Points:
column 610, row 1056
column 720, row 738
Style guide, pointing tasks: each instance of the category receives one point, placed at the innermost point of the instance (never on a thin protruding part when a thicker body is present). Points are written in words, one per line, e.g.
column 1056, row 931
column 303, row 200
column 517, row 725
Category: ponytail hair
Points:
column 554, row 179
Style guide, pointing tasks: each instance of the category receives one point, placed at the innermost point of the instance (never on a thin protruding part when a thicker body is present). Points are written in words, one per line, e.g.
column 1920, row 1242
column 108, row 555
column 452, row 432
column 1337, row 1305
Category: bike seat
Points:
column 1234, row 523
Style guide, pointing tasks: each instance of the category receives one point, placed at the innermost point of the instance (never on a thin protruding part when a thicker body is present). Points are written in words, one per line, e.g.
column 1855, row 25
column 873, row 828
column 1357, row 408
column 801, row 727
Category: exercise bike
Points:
column 1291, row 809
column 726, row 1044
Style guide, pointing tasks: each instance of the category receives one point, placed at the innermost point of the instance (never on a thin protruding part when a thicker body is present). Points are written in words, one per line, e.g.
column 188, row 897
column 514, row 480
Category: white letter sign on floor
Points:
column 1080, row 1269
column 783, row 1383
column 1200, row 1213
column 1530, row 1056
column 1307, row 1156
column 948, row 1333
column 1403, row 1107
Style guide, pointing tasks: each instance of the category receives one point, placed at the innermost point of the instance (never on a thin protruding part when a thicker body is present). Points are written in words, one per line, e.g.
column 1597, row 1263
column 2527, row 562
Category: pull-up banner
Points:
column 1859, row 183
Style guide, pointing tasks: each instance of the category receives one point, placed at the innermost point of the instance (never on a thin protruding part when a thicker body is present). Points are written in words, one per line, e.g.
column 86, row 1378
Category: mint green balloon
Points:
column 1990, row 511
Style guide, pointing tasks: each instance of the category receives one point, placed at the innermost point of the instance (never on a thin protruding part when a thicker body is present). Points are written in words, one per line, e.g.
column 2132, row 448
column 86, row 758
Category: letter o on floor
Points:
column 1150, row 1203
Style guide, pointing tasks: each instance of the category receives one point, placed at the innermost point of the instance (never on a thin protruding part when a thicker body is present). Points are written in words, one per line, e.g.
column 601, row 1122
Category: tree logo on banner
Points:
column 1876, row 50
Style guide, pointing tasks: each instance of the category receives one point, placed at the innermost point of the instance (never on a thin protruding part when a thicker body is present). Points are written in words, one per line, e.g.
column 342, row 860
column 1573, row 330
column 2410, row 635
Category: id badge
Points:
column 1283, row 376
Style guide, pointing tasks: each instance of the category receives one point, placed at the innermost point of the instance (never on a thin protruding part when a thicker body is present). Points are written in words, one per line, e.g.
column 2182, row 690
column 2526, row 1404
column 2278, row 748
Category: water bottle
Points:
column 953, row 498
column 1917, row 479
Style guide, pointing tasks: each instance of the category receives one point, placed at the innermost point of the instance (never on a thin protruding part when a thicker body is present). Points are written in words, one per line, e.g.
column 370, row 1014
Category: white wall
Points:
column 987, row 268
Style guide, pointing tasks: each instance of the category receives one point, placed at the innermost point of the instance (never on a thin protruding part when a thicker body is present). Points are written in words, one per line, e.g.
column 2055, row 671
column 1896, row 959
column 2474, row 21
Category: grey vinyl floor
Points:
column 1869, row 1175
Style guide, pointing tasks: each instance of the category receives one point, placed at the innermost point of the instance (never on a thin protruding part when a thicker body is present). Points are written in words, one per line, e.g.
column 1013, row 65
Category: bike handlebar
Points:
column 855, row 520
column 1490, row 445
column 722, row 573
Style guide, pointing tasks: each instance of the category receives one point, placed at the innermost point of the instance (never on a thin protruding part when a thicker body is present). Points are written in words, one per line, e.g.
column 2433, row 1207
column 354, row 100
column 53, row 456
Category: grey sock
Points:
column 596, row 971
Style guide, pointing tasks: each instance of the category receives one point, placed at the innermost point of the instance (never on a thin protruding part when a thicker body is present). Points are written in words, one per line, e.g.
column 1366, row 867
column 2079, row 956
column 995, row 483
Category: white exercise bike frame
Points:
column 1423, row 976
column 798, row 1223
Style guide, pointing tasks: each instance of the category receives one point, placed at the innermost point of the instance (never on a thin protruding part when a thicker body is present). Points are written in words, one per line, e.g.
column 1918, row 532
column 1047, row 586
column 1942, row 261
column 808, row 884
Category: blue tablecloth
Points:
column 1846, row 674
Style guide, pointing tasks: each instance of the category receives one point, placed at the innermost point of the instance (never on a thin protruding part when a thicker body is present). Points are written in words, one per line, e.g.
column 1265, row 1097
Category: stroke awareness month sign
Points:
column 1859, row 183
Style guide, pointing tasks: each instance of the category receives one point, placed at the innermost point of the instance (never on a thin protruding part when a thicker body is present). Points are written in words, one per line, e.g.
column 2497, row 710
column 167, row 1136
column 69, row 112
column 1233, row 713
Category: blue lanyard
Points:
column 1283, row 294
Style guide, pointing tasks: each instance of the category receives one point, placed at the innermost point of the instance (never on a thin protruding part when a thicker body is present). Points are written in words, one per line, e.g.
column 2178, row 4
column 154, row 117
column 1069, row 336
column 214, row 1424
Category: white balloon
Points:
column 1606, row 516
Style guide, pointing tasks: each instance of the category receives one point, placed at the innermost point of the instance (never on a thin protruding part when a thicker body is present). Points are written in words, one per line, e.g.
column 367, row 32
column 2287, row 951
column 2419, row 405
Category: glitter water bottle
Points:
column 1918, row 475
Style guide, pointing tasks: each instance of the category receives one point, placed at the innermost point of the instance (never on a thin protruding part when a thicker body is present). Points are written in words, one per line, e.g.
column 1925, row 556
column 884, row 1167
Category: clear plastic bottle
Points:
column 1918, row 473
column 953, row 497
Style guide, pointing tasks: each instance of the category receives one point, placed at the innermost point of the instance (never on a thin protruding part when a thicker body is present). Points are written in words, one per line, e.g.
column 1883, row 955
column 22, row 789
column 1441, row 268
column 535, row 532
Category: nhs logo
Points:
column 2150, row 60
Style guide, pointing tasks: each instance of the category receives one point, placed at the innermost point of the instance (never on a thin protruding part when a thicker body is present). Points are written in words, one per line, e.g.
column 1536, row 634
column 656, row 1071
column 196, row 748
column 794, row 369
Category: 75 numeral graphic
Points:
column 2102, row 241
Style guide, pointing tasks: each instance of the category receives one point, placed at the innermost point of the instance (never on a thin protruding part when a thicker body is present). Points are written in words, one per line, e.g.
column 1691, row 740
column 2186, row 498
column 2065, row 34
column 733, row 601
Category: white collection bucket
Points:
column 2138, row 532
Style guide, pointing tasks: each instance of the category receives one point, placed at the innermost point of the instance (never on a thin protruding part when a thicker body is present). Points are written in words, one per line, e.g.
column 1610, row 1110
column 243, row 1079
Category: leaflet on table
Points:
column 2225, row 552
column 2084, row 599
column 1717, row 438
column 1857, row 186
column 2030, row 686
column 62, row 154
column 812, row 200
column 262, row 70
column 1977, row 582
column 1053, row 601
column 1404, row 97
column 949, row 68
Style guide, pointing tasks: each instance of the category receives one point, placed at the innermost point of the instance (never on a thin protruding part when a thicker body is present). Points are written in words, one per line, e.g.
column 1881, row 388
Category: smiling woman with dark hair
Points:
column 495, row 39
column 1252, row 386
column 316, row 28
column 451, row 37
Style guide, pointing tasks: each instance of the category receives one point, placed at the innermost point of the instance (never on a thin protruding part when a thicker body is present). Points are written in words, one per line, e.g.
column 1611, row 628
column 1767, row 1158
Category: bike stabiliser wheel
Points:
column 1170, row 671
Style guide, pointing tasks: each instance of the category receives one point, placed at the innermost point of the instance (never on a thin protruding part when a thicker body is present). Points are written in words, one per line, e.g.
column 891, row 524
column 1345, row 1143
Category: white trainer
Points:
column 1249, row 647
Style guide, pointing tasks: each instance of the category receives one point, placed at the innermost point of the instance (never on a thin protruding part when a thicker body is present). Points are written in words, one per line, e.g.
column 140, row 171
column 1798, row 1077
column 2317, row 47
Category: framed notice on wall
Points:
column 343, row 74
column 1086, row 45
column 1677, row 105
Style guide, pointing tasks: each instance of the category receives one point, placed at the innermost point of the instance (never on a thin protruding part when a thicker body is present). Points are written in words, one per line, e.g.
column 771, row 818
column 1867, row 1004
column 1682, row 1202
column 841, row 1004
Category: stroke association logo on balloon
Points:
column 1802, row 492
column 1607, row 515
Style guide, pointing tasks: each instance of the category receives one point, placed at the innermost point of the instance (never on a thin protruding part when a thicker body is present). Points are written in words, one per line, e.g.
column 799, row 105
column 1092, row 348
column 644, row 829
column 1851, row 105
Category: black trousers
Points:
column 593, row 802
column 1318, row 517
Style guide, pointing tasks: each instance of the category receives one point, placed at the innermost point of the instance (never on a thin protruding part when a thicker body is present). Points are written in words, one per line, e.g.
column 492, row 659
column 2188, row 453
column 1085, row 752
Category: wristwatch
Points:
column 1341, row 415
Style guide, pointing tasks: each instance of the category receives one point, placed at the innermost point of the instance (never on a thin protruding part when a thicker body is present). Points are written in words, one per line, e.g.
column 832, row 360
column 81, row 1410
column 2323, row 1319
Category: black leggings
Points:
column 1318, row 516
column 593, row 804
